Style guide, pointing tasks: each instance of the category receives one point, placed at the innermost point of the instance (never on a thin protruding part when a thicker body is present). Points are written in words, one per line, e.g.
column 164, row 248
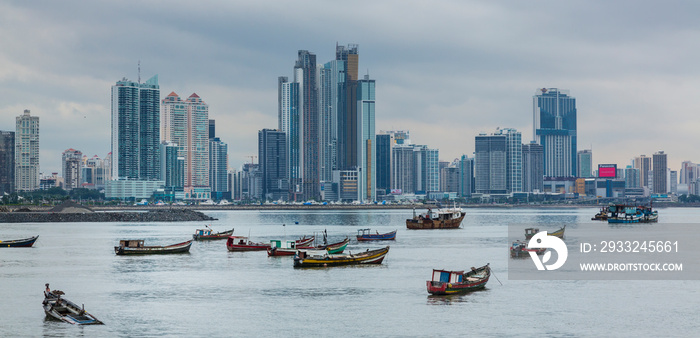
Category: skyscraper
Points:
column 289, row 124
column 466, row 176
column 554, row 127
column 490, row 164
column 7, row 162
column 383, row 150
column 71, row 164
column 533, row 170
column 305, row 75
column 136, row 130
column 366, row 154
column 347, row 115
column 218, row 168
column 514, row 159
column 272, row 155
column 27, row 152
column 186, row 123
column 643, row 163
column 585, row 163
column 659, row 167
column 403, row 168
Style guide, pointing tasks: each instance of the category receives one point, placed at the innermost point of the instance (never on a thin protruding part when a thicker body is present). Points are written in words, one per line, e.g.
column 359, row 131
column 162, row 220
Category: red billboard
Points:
column 607, row 170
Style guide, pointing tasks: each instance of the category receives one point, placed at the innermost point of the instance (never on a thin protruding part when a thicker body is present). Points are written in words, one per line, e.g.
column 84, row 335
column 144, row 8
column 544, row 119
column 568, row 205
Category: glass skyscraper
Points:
column 490, row 164
column 585, row 163
column 136, row 130
column 7, row 162
column 554, row 127
column 366, row 140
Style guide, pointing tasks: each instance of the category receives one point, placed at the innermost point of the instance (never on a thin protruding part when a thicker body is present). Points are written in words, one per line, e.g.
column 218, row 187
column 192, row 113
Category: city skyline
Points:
column 445, row 82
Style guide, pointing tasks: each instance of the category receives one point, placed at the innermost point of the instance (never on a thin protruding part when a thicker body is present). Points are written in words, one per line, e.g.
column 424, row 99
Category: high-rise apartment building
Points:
column 643, row 163
column 631, row 177
column 514, row 159
column 554, row 127
column 305, row 75
column 218, row 168
column 466, row 176
column 403, row 168
column 585, row 163
column 7, row 162
column 366, row 154
column 490, row 164
column 136, row 130
column 186, row 123
column 290, row 124
column 272, row 155
column 71, row 164
column 533, row 167
column 27, row 152
column 383, row 150
column 659, row 168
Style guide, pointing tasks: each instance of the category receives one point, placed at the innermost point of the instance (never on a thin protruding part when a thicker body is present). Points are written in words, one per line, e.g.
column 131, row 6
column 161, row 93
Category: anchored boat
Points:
column 451, row 282
column 449, row 218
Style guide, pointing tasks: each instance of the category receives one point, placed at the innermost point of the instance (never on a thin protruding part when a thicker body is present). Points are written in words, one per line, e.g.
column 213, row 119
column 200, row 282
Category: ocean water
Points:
column 211, row 292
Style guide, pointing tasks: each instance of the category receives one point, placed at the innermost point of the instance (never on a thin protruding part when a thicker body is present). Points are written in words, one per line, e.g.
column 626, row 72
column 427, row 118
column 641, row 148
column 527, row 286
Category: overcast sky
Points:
column 445, row 70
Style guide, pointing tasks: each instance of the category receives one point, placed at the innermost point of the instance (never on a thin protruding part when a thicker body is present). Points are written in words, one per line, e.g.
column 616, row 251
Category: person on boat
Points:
column 47, row 291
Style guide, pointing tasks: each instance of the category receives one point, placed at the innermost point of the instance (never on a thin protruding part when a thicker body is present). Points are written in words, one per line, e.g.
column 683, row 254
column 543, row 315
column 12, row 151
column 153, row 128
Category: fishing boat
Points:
column 529, row 232
column 206, row 234
column 519, row 249
column 602, row 215
column 632, row 214
column 136, row 247
column 65, row 310
column 25, row 243
column 242, row 243
column 451, row 282
column 289, row 248
column 443, row 218
column 366, row 235
column 305, row 258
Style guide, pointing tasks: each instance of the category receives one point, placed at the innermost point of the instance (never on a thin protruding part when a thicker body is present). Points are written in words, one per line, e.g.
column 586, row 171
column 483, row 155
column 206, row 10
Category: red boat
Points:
column 451, row 282
column 241, row 243
column 520, row 249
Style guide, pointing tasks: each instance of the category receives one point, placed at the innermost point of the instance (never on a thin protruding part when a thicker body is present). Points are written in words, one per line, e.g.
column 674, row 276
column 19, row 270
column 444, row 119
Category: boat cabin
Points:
column 203, row 232
column 447, row 276
column 276, row 243
column 529, row 232
column 364, row 232
column 236, row 240
column 131, row 243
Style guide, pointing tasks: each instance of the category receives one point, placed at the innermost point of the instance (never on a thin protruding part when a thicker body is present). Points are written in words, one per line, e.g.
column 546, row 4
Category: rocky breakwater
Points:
column 74, row 212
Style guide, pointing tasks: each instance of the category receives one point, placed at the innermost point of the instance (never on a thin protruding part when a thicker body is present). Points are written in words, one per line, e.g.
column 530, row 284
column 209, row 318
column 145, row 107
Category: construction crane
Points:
column 252, row 158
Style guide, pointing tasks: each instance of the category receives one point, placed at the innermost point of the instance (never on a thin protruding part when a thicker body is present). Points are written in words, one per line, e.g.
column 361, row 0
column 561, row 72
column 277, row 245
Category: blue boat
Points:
column 365, row 235
column 19, row 243
column 632, row 214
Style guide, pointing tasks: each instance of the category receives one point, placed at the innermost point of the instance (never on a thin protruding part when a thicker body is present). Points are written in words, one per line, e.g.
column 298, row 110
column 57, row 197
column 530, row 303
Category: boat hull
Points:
column 473, row 280
column 389, row 236
column 335, row 248
column 67, row 311
column 183, row 247
column 220, row 235
column 19, row 243
column 367, row 257
column 417, row 224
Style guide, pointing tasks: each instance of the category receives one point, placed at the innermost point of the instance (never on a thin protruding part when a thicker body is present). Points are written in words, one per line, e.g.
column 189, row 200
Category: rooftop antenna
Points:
column 139, row 71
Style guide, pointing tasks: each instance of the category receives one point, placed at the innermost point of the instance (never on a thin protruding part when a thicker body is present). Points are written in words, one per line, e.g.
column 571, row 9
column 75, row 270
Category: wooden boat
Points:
column 439, row 219
column 451, row 282
column 241, row 243
column 206, row 234
column 519, row 249
column 602, row 215
column 289, row 248
column 25, row 243
column 65, row 310
column 304, row 258
column 305, row 241
column 529, row 232
column 136, row 247
column 365, row 235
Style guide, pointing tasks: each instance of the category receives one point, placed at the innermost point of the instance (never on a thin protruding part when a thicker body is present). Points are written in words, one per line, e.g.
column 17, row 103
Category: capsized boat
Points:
column 65, row 310
column 442, row 218
column 305, row 258
column 206, row 234
column 529, row 232
column 446, row 282
column 136, row 247
column 17, row 243
column 366, row 235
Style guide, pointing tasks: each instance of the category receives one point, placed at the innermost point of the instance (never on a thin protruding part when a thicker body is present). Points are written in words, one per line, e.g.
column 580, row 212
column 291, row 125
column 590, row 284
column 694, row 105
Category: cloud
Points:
column 446, row 70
